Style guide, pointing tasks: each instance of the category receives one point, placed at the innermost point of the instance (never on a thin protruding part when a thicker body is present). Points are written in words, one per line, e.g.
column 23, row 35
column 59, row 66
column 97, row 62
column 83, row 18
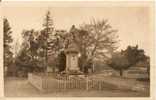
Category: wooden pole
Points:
column 87, row 88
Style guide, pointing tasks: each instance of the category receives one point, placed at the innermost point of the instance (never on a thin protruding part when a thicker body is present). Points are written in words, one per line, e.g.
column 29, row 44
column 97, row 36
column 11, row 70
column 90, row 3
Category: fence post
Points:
column 99, row 85
column 87, row 81
column 65, row 84
column 58, row 84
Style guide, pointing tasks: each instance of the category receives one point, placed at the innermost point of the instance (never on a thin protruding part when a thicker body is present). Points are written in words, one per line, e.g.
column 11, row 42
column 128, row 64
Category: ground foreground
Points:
column 17, row 87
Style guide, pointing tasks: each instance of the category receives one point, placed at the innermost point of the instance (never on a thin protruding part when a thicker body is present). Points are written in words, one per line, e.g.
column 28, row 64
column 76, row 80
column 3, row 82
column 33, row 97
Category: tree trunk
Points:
column 148, row 72
column 46, row 60
column 121, row 72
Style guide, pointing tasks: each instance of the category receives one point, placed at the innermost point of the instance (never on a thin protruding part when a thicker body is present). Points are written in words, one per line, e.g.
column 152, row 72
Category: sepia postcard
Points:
column 78, row 49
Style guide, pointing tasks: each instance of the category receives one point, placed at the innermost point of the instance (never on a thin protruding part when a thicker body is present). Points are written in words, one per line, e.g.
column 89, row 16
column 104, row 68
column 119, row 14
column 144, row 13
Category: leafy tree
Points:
column 8, row 55
column 134, row 54
column 41, row 45
column 127, row 58
column 119, row 62
column 29, row 56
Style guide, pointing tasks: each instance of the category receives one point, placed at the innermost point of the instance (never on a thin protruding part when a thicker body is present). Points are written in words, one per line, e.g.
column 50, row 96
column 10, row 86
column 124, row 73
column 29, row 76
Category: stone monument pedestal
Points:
column 72, row 66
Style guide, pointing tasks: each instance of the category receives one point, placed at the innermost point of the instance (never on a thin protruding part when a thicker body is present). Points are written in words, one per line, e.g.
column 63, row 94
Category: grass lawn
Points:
column 18, row 87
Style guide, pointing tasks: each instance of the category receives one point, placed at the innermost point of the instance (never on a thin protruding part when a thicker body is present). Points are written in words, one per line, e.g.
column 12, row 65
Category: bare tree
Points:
column 96, row 41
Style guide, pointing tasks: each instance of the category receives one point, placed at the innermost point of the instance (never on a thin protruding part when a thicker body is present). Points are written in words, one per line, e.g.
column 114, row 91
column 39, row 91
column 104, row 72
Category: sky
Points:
column 132, row 23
